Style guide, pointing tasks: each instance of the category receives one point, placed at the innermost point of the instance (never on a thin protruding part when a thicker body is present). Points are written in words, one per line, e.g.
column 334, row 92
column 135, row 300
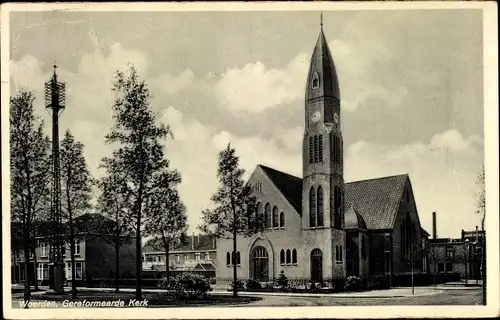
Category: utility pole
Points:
column 55, row 102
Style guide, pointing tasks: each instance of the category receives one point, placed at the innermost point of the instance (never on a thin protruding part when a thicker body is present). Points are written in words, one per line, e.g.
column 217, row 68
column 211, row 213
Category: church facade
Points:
column 319, row 227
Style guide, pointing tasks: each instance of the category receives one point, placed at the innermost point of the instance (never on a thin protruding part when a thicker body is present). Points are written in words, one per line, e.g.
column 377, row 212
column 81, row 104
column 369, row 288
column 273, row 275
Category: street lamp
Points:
column 466, row 261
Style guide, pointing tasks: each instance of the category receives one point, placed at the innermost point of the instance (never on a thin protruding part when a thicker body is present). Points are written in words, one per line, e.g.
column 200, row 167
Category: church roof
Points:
column 290, row 186
column 353, row 220
column 376, row 201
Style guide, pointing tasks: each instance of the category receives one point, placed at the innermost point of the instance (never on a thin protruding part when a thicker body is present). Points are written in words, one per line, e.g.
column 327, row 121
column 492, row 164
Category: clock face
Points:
column 315, row 116
column 336, row 118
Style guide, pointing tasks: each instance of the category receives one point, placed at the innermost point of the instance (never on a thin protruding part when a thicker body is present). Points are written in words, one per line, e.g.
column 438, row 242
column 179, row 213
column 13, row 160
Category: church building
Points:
column 319, row 227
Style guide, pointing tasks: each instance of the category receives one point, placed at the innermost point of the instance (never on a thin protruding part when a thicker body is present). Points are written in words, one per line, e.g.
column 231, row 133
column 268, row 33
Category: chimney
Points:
column 198, row 238
column 434, row 231
column 477, row 234
column 463, row 234
column 192, row 241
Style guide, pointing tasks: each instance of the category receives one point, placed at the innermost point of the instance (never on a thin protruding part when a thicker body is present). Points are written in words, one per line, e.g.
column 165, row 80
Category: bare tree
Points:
column 481, row 210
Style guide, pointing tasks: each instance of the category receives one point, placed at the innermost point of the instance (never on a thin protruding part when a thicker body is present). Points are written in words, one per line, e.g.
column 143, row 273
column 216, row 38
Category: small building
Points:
column 94, row 255
column 197, row 253
column 460, row 256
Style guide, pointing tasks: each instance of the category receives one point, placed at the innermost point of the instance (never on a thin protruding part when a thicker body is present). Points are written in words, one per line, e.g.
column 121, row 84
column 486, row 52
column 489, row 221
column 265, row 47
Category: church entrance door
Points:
column 316, row 265
column 259, row 266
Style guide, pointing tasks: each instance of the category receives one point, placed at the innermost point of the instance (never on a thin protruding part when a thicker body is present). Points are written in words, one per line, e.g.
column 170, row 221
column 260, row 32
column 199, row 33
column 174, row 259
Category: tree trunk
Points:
column 167, row 262
column 138, row 265
column 35, row 269
column 483, row 271
column 27, row 293
column 117, row 265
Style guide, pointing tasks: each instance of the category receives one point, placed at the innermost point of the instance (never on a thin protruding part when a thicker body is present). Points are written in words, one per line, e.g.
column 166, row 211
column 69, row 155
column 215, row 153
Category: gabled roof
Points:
column 353, row 220
column 377, row 200
column 290, row 186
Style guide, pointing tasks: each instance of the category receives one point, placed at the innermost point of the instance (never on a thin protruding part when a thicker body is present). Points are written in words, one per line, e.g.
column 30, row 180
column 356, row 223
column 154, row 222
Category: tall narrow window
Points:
column 233, row 258
column 316, row 156
column 260, row 214
column 320, row 207
column 267, row 213
column 312, row 208
column 275, row 217
column 43, row 249
column 77, row 247
column 337, row 207
column 288, row 256
column 228, row 259
column 282, row 257
column 282, row 220
column 311, row 150
column 238, row 258
column 294, row 256
column 320, row 149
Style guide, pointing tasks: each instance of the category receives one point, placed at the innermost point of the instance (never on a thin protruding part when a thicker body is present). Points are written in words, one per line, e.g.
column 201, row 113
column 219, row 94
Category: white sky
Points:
column 411, row 84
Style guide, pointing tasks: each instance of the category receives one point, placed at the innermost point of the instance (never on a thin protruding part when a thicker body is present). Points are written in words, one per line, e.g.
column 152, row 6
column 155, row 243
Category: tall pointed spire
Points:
column 322, row 79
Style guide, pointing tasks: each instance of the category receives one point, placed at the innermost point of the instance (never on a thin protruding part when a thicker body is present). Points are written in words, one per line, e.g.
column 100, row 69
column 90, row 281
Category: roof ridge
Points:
column 282, row 172
column 379, row 178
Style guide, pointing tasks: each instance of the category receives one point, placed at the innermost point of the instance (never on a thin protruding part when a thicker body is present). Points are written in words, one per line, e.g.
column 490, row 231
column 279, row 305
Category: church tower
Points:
column 323, row 182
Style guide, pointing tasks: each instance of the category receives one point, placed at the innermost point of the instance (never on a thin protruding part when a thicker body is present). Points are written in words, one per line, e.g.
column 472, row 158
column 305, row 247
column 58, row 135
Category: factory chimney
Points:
column 434, row 231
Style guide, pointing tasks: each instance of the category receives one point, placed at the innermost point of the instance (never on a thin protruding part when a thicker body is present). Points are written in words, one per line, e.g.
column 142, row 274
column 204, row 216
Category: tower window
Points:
column 316, row 151
column 315, row 80
column 337, row 208
column 320, row 207
column 336, row 149
column 312, row 208
column 311, row 150
column 320, row 149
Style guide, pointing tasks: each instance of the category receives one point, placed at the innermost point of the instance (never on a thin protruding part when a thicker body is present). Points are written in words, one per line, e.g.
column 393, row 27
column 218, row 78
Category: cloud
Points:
column 442, row 171
column 255, row 88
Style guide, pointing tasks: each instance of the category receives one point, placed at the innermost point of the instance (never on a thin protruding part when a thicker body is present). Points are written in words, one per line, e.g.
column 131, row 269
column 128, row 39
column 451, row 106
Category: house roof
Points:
column 376, row 201
column 202, row 242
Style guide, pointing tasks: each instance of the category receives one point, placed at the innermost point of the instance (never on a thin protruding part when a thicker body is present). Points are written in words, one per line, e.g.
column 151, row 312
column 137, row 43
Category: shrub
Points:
column 253, row 284
column 186, row 285
column 353, row 283
column 283, row 280
column 239, row 284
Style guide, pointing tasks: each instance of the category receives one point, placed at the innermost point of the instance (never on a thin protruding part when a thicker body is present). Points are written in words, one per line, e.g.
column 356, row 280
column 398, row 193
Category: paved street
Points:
column 397, row 296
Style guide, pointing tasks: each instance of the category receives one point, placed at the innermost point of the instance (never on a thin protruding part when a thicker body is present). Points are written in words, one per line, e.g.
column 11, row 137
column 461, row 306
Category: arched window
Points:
column 282, row 220
column 282, row 257
column 315, row 81
column 338, row 254
column 267, row 213
column 337, row 207
column 233, row 258
column 275, row 217
column 238, row 258
column 228, row 259
column 320, row 207
column 312, row 208
column 288, row 256
column 294, row 256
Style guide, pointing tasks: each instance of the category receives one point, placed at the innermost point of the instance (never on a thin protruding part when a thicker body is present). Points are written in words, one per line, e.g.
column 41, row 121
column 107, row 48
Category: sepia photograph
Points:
column 283, row 159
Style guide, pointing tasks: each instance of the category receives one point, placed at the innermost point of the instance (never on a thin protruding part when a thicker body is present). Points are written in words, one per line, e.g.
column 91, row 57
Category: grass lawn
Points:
column 153, row 299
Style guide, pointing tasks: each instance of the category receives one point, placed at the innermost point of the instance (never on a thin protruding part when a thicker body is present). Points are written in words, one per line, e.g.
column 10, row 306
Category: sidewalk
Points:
column 389, row 293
